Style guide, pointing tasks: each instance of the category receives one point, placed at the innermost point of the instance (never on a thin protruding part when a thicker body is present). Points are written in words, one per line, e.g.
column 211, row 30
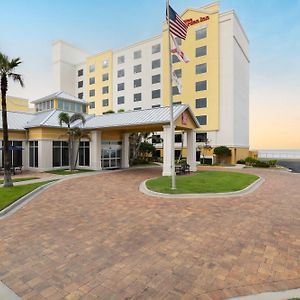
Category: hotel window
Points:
column 201, row 86
column 121, row 86
column 137, row 108
column 15, row 157
column 121, row 73
column 105, row 102
column 92, row 68
column 80, row 84
column 92, row 80
column 177, row 103
column 201, row 103
column 178, row 73
column 156, row 79
column 105, row 90
column 137, row 83
column 92, row 104
column 156, row 64
column 84, row 154
column 201, row 33
column 92, row 93
column 202, row 68
column 175, row 91
column 121, row 100
column 137, row 69
column 33, row 154
column 60, row 154
column 156, row 48
column 78, row 107
column 137, row 54
column 202, row 119
column 105, row 77
column 175, row 59
column 201, row 51
column 105, row 63
column 137, row 97
column 121, row 59
column 178, row 138
column 66, row 105
column 156, row 106
column 80, row 72
column 80, row 95
column 201, row 137
column 155, row 94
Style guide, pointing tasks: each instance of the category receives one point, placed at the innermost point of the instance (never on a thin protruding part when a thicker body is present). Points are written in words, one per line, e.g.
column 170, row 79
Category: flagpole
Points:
column 173, row 174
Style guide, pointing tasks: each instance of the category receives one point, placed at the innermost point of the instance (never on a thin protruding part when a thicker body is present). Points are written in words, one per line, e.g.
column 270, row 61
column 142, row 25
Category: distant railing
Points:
column 279, row 154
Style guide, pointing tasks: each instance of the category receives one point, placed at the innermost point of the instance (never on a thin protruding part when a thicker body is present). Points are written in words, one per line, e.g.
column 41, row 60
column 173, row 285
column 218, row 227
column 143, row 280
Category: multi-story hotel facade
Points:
column 215, row 83
column 213, row 104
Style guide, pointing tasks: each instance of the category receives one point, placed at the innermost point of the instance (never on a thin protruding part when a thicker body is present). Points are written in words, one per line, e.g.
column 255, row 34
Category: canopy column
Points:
column 191, row 149
column 95, row 150
column 167, row 163
column 125, row 151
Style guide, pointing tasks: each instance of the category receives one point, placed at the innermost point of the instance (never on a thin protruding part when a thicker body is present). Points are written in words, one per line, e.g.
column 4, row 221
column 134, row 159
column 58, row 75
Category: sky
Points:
column 272, row 26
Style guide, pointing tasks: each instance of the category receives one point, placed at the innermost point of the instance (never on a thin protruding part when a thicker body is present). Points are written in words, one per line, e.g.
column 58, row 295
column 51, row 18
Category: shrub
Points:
column 241, row 162
column 261, row 164
column 222, row 153
column 250, row 161
column 272, row 163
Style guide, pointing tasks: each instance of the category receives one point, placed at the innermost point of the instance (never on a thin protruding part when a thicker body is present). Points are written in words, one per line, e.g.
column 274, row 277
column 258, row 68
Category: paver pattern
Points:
column 97, row 237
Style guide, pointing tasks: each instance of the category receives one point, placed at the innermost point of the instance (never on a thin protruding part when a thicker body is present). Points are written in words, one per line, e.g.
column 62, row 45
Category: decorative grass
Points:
column 203, row 182
column 9, row 195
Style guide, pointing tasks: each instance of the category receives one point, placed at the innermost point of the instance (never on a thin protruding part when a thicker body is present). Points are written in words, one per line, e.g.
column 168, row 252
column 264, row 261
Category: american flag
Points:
column 177, row 25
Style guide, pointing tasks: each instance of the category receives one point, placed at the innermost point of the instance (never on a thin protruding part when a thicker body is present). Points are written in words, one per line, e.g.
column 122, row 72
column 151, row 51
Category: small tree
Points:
column 7, row 70
column 222, row 153
column 65, row 118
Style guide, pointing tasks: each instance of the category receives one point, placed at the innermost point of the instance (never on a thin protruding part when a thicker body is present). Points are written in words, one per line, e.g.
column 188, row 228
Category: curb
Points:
column 6, row 293
column 287, row 294
column 249, row 189
column 9, row 210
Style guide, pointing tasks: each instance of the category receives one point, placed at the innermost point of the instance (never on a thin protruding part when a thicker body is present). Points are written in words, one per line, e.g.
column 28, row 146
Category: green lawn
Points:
column 203, row 182
column 67, row 172
column 9, row 195
column 20, row 179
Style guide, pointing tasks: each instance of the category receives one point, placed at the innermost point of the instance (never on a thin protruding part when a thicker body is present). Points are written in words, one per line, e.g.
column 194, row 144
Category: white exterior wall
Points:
column 65, row 57
column 145, row 75
column 234, row 85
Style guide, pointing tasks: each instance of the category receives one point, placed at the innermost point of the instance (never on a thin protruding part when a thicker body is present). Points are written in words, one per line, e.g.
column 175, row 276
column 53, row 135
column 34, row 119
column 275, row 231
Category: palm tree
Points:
column 7, row 68
column 65, row 118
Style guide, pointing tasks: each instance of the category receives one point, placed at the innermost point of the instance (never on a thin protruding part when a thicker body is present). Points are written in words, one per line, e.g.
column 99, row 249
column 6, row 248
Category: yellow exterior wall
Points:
column 47, row 133
column 14, row 135
column 189, row 77
column 17, row 104
column 97, row 60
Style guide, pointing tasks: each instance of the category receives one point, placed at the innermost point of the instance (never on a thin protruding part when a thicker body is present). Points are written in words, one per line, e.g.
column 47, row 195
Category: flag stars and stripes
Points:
column 177, row 25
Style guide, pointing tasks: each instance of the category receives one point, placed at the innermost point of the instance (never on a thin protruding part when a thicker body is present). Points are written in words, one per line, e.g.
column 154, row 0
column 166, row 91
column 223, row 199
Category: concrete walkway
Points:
column 98, row 237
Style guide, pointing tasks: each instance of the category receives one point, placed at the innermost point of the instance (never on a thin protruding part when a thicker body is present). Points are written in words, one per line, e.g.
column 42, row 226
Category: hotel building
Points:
column 215, row 88
column 215, row 83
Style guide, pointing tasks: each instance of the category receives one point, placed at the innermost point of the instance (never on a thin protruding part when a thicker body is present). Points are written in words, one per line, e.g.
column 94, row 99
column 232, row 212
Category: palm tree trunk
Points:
column 77, row 154
column 7, row 175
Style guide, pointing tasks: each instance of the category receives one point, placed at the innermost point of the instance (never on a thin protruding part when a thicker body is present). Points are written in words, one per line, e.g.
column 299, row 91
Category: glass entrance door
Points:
column 111, row 155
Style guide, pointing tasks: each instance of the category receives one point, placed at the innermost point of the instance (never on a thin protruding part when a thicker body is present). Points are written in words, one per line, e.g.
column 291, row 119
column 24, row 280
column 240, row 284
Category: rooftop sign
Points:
column 190, row 22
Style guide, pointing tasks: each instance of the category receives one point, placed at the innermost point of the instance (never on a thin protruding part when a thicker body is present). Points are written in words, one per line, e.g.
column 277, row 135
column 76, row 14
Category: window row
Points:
column 70, row 106
column 199, row 52
column 46, row 105
column 60, row 154
column 105, row 90
column 138, row 97
column 105, row 103
column 138, row 54
column 92, row 67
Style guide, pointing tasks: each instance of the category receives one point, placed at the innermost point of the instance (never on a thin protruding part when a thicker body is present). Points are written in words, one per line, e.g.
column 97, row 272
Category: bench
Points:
column 181, row 169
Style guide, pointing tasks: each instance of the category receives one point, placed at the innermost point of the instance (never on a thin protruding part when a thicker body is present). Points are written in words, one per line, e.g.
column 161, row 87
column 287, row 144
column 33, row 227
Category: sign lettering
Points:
column 190, row 22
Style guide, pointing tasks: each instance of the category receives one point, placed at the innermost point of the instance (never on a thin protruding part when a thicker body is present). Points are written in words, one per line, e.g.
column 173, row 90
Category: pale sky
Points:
column 272, row 26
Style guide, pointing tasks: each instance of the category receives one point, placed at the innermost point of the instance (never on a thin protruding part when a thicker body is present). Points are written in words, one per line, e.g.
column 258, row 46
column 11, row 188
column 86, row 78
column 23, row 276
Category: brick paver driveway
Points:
column 97, row 237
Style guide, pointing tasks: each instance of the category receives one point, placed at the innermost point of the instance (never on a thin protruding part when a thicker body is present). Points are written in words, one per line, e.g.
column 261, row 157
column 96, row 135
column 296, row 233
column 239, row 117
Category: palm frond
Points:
column 17, row 77
column 76, row 117
column 63, row 117
column 14, row 63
